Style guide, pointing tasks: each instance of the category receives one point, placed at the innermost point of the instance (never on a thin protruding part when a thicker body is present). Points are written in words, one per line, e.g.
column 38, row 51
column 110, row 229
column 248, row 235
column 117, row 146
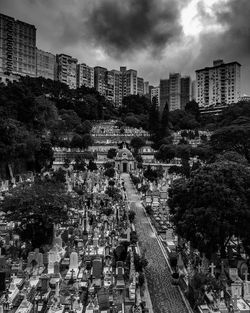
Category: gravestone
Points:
column 73, row 263
column 44, row 283
column 40, row 260
column 246, row 288
column 204, row 265
column 31, row 257
column 233, row 273
column 236, row 289
column 56, row 268
column 58, row 241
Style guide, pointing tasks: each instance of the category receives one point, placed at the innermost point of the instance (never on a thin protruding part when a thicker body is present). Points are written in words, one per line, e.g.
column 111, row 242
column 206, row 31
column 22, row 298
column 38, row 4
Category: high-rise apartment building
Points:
column 131, row 83
column 45, row 64
column 84, row 75
column 100, row 79
column 17, row 47
column 185, row 91
column 164, row 93
column 193, row 90
column 117, row 87
column 174, row 91
column 146, row 88
column 219, row 84
column 110, row 86
column 140, row 86
column 66, row 70
column 108, row 83
column 155, row 93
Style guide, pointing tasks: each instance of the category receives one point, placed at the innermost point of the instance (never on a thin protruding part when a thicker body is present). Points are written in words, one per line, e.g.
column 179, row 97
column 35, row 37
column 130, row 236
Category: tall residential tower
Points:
column 219, row 84
column 17, row 47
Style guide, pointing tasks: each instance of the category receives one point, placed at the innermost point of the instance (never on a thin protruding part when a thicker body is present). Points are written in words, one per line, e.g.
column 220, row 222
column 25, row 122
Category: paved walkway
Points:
column 165, row 297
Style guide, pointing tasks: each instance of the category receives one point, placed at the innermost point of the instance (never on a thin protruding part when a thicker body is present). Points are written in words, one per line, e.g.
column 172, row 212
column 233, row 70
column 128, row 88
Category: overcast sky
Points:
column 154, row 37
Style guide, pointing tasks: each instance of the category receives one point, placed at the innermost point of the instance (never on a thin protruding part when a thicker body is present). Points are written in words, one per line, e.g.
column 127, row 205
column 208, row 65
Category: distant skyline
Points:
column 155, row 37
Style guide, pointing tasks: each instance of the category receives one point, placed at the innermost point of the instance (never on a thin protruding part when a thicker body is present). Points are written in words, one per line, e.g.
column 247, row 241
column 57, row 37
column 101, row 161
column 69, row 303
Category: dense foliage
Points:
column 37, row 114
column 212, row 206
column 36, row 207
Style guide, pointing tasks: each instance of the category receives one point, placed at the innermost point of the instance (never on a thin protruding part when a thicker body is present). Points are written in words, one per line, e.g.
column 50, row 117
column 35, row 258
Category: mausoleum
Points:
column 125, row 161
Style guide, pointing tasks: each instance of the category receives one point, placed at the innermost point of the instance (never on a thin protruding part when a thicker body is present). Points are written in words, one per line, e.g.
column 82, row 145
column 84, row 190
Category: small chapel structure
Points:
column 125, row 161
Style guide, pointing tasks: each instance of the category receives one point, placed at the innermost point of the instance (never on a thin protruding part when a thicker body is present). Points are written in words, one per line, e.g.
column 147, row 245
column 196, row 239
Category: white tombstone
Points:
column 233, row 273
column 73, row 263
column 40, row 259
column 246, row 288
column 236, row 289
column 212, row 266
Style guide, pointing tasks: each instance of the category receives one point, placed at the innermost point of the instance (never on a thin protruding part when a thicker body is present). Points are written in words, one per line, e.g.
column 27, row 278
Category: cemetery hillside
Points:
column 122, row 208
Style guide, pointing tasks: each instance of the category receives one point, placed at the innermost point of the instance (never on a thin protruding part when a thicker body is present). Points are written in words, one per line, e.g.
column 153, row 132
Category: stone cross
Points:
column 212, row 266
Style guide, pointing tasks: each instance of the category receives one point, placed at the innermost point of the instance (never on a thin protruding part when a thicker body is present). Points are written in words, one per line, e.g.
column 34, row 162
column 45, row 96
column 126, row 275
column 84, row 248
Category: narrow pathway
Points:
column 165, row 297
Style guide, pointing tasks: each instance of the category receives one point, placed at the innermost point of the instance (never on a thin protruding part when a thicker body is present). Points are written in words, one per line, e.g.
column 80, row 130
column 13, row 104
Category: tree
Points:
column 67, row 163
column 232, row 138
column 114, row 193
column 84, row 128
column 82, row 142
column 92, row 166
column 180, row 119
column 110, row 172
column 231, row 156
column 154, row 120
column 150, row 174
column 132, row 121
column 80, row 164
column 165, row 121
column 135, row 104
column 192, row 107
column 212, row 206
column 70, row 119
column 108, row 165
column 35, row 208
column 137, row 143
column 111, row 153
column 59, row 176
column 235, row 114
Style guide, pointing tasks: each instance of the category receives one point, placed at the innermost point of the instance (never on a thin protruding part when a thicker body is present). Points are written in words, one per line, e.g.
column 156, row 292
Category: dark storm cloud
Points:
column 234, row 42
column 122, row 27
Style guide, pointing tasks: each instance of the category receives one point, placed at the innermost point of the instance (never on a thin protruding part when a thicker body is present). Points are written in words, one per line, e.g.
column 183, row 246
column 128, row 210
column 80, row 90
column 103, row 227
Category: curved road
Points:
column 165, row 297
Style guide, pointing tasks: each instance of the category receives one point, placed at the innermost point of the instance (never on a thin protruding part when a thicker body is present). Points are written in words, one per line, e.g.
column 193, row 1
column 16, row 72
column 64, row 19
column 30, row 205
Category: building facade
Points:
column 140, row 86
column 84, row 75
column 193, row 90
column 146, row 88
column 164, row 93
column 45, row 64
column 17, row 47
column 131, row 83
column 100, row 79
column 66, row 70
column 219, row 84
column 117, row 87
column 185, row 91
column 174, row 91
column 155, row 93
column 110, row 86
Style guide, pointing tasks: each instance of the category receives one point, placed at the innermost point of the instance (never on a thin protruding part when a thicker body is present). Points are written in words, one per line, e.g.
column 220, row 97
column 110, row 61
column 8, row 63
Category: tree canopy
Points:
column 212, row 206
column 232, row 138
column 36, row 207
